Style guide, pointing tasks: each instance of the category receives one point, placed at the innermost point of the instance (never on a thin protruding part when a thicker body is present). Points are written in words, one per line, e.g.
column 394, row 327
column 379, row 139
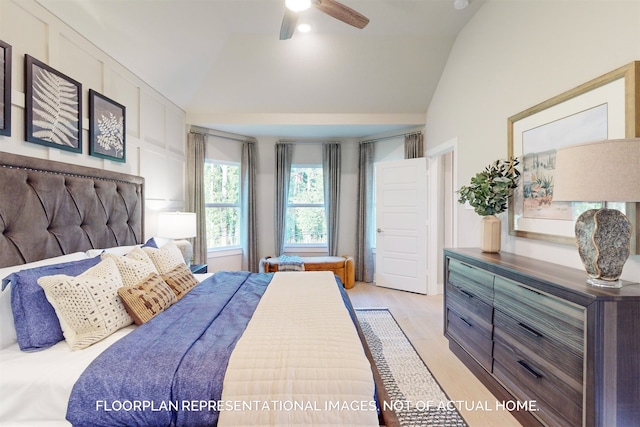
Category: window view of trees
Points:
column 305, row 209
column 222, row 203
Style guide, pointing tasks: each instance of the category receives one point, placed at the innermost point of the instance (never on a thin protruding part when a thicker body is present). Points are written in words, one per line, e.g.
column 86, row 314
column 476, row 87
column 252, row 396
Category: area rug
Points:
column 416, row 397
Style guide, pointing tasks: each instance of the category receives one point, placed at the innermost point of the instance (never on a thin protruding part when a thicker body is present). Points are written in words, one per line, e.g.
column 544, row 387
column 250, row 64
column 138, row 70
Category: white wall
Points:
column 511, row 56
column 155, row 128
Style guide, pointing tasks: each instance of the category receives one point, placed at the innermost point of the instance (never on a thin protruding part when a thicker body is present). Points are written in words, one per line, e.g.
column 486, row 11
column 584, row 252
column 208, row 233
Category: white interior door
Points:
column 402, row 225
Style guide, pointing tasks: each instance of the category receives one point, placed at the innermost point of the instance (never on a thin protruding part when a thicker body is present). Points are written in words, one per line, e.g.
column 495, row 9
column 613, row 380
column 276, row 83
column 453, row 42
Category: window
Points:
column 222, row 203
column 306, row 224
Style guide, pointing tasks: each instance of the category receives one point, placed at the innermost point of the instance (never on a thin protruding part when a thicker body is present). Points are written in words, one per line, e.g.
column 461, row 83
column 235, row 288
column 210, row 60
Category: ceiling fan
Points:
column 332, row 8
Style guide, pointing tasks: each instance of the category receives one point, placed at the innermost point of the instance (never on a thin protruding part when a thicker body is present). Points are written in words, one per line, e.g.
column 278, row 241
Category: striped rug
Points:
column 416, row 396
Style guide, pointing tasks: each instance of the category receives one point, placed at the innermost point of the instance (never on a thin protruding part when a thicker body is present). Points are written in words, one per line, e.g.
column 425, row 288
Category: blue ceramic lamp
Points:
column 601, row 171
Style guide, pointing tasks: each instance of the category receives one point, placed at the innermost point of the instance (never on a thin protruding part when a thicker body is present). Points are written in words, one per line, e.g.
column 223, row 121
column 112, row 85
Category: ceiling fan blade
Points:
column 342, row 13
column 288, row 24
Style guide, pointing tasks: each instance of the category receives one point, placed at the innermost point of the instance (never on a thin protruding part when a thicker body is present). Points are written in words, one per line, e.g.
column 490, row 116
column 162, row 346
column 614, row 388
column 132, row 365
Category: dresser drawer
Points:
column 558, row 403
column 555, row 357
column 475, row 339
column 550, row 316
column 471, row 279
column 465, row 302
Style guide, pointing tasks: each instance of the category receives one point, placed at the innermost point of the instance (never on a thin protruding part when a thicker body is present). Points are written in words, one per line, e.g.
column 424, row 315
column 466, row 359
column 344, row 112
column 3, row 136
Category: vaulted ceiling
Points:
column 223, row 63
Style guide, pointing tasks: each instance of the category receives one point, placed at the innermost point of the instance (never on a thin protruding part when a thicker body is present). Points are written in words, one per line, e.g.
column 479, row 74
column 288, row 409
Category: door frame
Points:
column 435, row 208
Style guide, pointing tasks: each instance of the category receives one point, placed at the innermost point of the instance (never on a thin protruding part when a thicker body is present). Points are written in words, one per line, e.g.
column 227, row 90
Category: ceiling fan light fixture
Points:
column 298, row 5
column 460, row 4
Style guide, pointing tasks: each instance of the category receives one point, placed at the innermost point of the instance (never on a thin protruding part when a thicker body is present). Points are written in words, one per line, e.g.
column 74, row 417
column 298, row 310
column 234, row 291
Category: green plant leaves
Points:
column 489, row 190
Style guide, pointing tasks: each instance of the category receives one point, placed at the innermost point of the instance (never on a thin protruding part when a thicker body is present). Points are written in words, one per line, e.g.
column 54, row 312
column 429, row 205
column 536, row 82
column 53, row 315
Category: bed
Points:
column 230, row 348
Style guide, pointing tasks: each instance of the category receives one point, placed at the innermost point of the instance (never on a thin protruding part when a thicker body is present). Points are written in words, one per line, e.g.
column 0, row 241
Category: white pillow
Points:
column 88, row 305
column 7, row 326
column 116, row 250
column 133, row 267
column 165, row 258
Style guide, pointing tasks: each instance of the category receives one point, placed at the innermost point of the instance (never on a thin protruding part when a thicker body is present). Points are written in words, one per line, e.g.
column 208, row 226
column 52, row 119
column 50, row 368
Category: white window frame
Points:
column 230, row 249
column 306, row 247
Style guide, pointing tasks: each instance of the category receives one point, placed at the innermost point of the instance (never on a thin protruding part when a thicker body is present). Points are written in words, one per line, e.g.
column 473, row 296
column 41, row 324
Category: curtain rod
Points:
column 212, row 132
column 305, row 141
column 390, row 137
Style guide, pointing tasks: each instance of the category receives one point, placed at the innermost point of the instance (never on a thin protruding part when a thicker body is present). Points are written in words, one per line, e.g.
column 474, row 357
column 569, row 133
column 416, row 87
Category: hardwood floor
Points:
column 421, row 317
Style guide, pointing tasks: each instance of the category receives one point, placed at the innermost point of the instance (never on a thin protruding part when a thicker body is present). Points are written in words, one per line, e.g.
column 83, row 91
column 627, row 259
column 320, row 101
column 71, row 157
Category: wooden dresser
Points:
column 533, row 331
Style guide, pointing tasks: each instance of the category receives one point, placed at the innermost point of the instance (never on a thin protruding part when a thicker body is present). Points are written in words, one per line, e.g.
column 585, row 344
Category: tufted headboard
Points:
column 50, row 208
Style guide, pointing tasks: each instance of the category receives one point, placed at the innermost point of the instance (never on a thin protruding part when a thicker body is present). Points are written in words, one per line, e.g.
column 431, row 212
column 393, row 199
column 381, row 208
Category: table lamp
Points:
column 179, row 226
column 600, row 171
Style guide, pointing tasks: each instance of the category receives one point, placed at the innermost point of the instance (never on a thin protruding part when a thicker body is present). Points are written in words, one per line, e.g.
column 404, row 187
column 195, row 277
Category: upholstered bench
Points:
column 342, row 266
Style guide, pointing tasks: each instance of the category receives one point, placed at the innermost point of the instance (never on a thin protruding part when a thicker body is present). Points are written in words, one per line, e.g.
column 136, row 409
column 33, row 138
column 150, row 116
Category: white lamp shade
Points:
column 600, row 171
column 177, row 225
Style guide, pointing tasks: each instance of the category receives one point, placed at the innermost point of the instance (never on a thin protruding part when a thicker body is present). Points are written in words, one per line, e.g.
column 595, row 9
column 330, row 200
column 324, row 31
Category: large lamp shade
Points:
column 600, row 171
column 177, row 225
column 181, row 226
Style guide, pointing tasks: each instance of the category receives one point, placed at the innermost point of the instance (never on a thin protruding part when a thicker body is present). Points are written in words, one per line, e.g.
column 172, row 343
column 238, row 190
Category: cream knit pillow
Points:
column 88, row 305
column 165, row 258
column 133, row 267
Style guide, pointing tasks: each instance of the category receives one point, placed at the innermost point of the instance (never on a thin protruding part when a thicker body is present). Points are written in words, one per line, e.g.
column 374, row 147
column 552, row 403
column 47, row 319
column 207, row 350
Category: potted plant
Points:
column 488, row 194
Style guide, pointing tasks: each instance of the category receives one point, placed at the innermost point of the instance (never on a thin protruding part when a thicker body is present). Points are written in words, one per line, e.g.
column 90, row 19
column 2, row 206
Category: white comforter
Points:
column 300, row 360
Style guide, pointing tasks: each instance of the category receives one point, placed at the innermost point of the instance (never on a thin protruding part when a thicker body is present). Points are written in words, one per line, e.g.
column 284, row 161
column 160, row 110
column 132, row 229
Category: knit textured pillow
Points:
column 88, row 305
column 134, row 267
column 180, row 279
column 166, row 258
column 148, row 298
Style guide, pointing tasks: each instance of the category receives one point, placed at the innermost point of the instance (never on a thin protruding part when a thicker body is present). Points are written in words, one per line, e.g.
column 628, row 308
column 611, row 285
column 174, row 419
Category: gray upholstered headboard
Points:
column 50, row 208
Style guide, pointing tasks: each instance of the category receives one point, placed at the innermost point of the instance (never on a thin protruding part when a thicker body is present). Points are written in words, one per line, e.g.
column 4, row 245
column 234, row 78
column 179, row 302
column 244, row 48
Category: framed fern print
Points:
column 106, row 127
column 53, row 107
column 5, row 89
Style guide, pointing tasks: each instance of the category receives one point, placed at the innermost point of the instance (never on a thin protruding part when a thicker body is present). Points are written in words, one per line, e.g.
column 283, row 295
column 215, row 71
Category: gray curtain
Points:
column 249, row 233
column 282, row 175
column 196, row 146
column 364, row 252
column 331, row 179
column 413, row 145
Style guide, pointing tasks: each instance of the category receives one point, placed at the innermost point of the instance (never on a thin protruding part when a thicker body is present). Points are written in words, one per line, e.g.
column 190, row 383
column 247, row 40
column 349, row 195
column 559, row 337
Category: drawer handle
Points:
column 466, row 322
column 466, row 294
column 530, row 330
column 529, row 369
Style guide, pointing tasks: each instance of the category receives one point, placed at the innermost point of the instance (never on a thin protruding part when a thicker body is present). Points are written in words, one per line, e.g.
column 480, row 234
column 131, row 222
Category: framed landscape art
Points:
column 5, row 89
column 604, row 108
column 53, row 105
column 106, row 128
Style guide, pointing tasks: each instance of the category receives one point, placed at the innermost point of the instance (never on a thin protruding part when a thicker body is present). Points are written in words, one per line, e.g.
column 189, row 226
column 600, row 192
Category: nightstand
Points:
column 198, row 268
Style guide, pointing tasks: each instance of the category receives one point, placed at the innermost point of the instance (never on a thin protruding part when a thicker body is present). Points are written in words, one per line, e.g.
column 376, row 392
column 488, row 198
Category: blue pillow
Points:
column 37, row 326
column 151, row 243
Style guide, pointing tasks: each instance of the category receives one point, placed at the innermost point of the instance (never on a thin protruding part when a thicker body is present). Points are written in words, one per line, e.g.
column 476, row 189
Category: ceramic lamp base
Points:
column 186, row 248
column 604, row 244
column 604, row 283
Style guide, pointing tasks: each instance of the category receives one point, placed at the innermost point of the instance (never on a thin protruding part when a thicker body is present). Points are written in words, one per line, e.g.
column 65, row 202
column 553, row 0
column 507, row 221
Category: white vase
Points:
column 490, row 234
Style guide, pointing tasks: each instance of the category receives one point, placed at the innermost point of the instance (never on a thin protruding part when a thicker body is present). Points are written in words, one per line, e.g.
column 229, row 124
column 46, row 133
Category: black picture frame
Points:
column 53, row 107
column 107, row 128
column 5, row 88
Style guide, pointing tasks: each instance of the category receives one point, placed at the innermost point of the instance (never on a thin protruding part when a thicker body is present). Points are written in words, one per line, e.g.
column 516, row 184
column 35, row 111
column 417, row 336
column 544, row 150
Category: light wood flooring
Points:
column 421, row 319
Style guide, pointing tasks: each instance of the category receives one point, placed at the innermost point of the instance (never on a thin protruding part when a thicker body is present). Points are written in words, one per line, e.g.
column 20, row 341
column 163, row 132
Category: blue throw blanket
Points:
column 169, row 371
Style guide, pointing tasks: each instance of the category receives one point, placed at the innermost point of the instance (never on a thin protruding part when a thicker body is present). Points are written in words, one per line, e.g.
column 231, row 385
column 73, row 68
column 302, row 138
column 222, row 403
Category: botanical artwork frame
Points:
column 5, row 88
column 107, row 128
column 53, row 107
column 607, row 107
